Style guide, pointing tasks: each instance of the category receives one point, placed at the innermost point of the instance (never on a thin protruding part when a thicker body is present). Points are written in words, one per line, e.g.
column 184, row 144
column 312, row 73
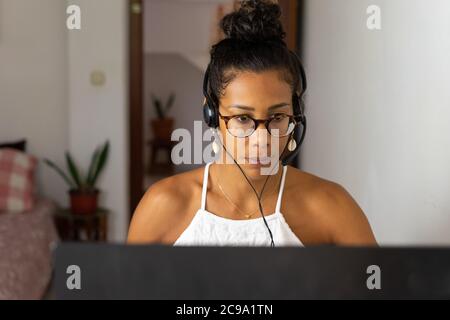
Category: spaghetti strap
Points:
column 230, row 232
column 280, row 194
column 205, row 185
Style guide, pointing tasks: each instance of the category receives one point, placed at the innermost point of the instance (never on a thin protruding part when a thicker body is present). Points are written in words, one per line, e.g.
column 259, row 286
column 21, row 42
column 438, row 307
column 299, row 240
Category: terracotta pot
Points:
column 83, row 202
column 162, row 128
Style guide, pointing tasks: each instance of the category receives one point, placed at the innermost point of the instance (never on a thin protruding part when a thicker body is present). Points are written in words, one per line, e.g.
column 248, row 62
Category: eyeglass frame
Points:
column 296, row 118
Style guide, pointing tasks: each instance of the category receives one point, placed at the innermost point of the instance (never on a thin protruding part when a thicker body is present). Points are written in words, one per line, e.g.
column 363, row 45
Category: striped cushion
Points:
column 16, row 180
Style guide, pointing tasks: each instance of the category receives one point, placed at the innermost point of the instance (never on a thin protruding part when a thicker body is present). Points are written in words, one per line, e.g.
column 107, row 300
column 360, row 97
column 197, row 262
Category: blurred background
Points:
column 378, row 108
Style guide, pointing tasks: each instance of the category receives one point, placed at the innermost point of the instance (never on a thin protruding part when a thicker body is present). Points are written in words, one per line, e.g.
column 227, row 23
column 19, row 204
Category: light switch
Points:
column 136, row 8
column 98, row 78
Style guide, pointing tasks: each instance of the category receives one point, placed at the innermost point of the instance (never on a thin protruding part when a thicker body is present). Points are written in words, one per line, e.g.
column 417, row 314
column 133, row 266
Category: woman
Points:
column 252, row 76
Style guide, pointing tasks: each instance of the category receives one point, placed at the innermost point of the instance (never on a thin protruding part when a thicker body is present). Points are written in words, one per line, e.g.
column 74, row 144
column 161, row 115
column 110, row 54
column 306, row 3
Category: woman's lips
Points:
column 257, row 160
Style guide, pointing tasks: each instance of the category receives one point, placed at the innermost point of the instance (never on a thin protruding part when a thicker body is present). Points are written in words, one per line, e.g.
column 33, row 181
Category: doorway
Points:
column 138, row 95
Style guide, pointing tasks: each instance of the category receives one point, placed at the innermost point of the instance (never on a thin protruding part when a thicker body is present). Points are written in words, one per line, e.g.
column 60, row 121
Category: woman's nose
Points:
column 260, row 138
column 261, row 125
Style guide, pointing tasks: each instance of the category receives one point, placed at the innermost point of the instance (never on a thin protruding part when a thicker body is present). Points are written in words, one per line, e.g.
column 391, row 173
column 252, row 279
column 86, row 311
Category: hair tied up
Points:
column 255, row 21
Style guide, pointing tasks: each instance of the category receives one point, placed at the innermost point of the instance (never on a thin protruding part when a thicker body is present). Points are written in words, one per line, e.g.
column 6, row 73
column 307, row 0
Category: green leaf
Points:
column 159, row 110
column 158, row 106
column 170, row 103
column 73, row 170
column 92, row 166
column 101, row 163
column 60, row 172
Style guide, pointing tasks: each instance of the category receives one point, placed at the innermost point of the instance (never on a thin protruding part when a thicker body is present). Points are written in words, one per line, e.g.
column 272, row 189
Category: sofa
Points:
column 26, row 242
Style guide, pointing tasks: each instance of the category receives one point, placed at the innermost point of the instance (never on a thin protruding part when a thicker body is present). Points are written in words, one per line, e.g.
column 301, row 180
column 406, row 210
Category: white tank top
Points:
column 208, row 229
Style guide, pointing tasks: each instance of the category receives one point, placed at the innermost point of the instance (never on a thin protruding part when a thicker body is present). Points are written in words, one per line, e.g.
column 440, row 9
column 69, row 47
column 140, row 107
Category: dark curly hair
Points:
column 254, row 41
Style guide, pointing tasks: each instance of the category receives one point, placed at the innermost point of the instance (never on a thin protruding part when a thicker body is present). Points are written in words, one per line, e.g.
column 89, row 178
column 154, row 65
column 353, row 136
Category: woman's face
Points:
column 260, row 96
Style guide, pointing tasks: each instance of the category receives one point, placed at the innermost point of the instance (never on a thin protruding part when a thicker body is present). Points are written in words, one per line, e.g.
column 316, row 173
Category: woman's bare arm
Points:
column 156, row 213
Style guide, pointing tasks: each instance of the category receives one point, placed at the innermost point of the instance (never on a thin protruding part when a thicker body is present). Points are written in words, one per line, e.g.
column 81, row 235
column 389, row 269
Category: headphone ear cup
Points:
column 296, row 104
column 210, row 116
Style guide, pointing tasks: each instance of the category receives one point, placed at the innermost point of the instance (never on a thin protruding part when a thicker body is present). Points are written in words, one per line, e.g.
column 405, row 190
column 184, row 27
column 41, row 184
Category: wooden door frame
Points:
column 294, row 36
column 136, row 100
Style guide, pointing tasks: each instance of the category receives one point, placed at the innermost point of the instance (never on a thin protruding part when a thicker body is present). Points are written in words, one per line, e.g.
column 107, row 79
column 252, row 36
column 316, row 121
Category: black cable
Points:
column 259, row 197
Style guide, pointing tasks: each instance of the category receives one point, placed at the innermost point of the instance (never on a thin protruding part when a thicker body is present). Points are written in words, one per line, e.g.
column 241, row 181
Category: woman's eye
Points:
column 242, row 118
column 278, row 117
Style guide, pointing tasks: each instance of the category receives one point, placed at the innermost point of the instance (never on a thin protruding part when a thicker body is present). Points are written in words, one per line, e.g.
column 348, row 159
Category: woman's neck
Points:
column 235, row 185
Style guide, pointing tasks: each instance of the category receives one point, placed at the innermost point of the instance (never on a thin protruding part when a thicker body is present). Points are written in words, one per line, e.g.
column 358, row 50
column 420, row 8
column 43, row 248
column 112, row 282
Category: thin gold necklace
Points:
column 247, row 216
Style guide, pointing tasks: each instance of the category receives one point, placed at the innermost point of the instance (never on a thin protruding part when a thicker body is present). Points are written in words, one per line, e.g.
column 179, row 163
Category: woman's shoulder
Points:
column 178, row 186
column 308, row 183
column 323, row 195
column 314, row 194
column 330, row 205
column 164, row 205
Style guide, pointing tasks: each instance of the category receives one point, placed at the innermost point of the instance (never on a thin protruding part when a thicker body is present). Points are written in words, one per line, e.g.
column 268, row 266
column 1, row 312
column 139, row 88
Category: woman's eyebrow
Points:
column 276, row 106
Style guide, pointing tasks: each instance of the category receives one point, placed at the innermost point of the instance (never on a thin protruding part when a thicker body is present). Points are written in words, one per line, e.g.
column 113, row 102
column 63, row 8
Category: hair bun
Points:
column 255, row 20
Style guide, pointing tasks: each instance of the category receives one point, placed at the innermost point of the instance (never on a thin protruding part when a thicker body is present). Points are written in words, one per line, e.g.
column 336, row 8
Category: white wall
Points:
column 46, row 95
column 168, row 26
column 176, row 56
column 378, row 110
column 190, row 33
column 182, row 27
column 33, row 86
column 100, row 113
column 166, row 73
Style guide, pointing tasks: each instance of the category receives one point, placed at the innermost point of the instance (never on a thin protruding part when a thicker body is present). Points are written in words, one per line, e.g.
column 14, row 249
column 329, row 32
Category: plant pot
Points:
column 162, row 128
column 83, row 202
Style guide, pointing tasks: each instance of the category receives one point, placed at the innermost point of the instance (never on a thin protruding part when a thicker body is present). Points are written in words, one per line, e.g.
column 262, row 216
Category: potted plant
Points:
column 163, row 125
column 83, row 191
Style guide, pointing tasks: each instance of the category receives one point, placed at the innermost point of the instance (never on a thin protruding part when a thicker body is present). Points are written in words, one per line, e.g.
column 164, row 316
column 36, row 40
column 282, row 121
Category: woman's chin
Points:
column 258, row 169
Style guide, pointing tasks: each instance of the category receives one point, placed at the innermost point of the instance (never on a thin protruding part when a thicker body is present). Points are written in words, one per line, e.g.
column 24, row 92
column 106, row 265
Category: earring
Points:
column 292, row 145
column 215, row 147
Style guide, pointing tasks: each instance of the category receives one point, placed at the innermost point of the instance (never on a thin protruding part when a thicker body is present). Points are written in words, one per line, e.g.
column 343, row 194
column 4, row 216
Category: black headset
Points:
column 211, row 109
column 211, row 118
